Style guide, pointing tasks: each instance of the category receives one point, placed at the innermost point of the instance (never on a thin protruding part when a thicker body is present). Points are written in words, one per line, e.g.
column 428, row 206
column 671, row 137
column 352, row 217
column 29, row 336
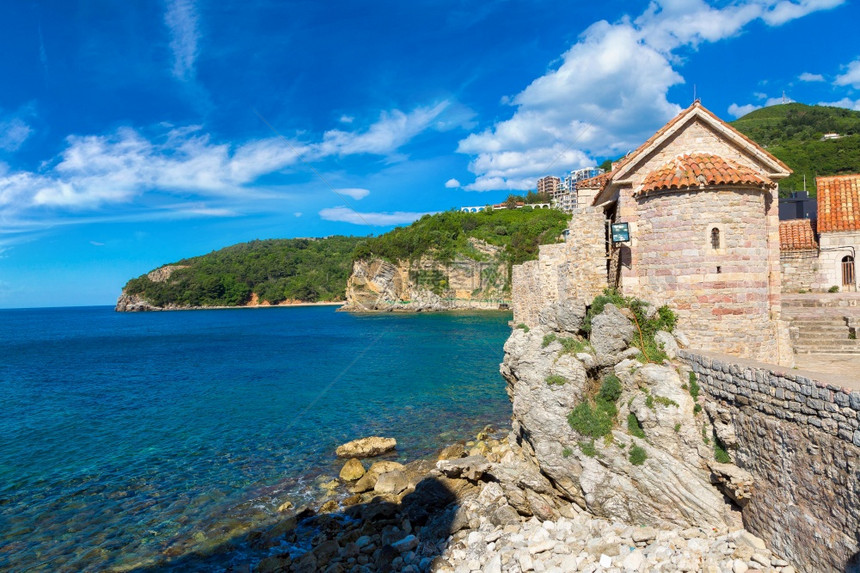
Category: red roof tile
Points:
column 797, row 235
column 838, row 203
column 700, row 170
column 596, row 182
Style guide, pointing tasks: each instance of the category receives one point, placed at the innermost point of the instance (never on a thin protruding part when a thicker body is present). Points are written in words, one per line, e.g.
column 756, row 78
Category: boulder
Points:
column 368, row 480
column 471, row 468
column 366, row 447
column 393, row 482
column 451, row 452
column 667, row 342
column 352, row 470
column 611, row 331
column 563, row 316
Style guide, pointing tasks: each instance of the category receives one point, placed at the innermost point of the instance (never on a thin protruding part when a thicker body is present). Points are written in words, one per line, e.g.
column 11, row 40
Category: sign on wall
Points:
column 620, row 233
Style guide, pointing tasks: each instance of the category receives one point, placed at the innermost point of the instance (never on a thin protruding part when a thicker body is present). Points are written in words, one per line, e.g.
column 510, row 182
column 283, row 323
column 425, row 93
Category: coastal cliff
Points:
column 429, row 284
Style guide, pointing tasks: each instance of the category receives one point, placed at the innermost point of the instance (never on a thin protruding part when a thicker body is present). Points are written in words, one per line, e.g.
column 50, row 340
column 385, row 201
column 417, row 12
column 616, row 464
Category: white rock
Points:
column 605, row 560
column 739, row 566
column 525, row 561
column 541, row 546
column 634, row 560
column 744, row 537
column 494, row 565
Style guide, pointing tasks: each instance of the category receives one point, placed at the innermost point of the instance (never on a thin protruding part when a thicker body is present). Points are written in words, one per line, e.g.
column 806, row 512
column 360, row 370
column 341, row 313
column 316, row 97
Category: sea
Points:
column 129, row 438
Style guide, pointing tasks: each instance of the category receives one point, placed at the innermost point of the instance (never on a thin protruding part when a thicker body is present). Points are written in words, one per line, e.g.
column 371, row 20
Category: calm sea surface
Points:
column 126, row 437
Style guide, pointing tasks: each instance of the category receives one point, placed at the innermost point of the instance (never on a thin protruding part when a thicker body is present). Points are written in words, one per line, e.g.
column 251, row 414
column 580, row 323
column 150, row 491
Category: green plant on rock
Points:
column 694, row 386
column 720, row 453
column 596, row 420
column 634, row 427
column 588, row 448
column 697, row 408
column 574, row 345
column 566, row 452
column 664, row 401
column 555, row 380
column 547, row 340
column 677, row 427
column 522, row 326
column 834, row 288
column 649, row 401
column 638, row 455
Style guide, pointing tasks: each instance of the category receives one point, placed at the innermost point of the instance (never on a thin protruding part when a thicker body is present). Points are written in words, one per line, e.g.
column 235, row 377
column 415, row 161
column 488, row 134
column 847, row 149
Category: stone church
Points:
column 698, row 202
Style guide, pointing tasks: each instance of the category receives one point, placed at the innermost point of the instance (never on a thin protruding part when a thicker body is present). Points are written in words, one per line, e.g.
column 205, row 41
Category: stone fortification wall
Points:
column 800, row 439
column 575, row 269
column 800, row 271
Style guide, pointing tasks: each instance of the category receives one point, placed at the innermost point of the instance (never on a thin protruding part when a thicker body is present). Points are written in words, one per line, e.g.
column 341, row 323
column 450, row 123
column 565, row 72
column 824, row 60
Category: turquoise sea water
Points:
column 126, row 437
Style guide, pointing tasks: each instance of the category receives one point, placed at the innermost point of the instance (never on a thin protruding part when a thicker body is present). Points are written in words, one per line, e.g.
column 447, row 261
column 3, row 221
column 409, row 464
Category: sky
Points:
column 134, row 134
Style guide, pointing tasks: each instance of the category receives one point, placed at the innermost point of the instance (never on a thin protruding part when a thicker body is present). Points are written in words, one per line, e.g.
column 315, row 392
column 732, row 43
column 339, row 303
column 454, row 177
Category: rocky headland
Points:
column 428, row 284
column 611, row 463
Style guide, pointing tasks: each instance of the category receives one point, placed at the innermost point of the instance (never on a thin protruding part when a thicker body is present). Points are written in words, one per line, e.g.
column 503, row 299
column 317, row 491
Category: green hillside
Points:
column 793, row 132
column 277, row 269
column 315, row 270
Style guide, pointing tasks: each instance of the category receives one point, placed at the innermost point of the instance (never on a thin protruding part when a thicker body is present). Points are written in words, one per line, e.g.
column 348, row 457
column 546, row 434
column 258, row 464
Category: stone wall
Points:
column 800, row 439
column 575, row 269
column 800, row 271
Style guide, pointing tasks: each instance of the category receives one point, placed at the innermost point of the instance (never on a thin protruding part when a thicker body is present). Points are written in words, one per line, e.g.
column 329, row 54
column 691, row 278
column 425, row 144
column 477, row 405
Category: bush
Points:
column 834, row 288
column 522, row 326
column 637, row 456
column 664, row 401
column 547, row 340
column 555, row 380
column 634, row 427
column 694, row 386
column 677, row 427
column 574, row 345
column 588, row 448
column 610, row 390
column 596, row 420
column 566, row 453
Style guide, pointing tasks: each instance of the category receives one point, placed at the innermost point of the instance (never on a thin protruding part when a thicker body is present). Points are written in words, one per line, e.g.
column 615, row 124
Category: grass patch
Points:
column 522, row 326
column 649, row 401
column 697, row 408
column 664, row 401
column 634, row 427
column 637, row 456
column 588, row 448
column 547, row 340
column 834, row 288
column 555, row 380
column 694, row 387
column 677, row 427
column 705, row 434
column 596, row 420
column 720, row 453
column 566, row 453
column 574, row 345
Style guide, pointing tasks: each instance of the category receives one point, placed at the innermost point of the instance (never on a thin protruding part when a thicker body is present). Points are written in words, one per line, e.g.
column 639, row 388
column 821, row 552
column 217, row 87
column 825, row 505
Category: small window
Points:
column 847, row 270
column 715, row 238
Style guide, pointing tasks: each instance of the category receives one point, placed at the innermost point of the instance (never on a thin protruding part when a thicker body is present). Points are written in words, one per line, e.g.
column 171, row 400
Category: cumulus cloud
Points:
column 807, row 77
column 355, row 193
column 736, row 110
column 609, row 92
column 181, row 21
column 452, row 184
column 847, row 103
column 347, row 215
column 850, row 77
column 93, row 170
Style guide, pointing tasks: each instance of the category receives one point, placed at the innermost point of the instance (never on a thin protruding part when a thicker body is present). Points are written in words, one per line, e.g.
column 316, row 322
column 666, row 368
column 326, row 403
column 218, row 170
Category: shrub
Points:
column 677, row 427
column 649, row 401
column 664, row 401
column 522, row 326
column 720, row 454
column 574, row 345
column 566, row 452
column 637, row 456
column 634, row 427
column 697, row 408
column 694, row 386
column 834, row 288
column 547, row 340
column 555, row 380
column 610, row 389
column 590, row 421
column 588, row 448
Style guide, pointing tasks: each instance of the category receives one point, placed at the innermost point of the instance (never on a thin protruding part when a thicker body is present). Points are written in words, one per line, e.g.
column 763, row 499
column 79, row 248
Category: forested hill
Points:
column 275, row 270
column 793, row 132
column 316, row 270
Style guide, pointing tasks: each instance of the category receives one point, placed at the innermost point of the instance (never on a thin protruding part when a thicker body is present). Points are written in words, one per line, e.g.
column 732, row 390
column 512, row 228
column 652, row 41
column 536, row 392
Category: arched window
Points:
column 715, row 238
column 848, row 270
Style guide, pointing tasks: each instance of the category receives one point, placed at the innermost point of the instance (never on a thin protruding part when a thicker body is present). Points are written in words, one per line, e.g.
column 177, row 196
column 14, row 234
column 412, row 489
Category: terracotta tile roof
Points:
column 596, row 182
column 838, row 203
column 797, row 235
column 702, row 169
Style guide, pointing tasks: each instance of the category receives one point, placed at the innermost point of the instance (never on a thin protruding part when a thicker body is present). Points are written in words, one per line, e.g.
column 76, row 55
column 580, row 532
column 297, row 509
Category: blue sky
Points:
column 133, row 134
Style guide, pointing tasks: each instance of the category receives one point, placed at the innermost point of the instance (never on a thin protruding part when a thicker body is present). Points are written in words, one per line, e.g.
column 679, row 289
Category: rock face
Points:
column 428, row 284
column 366, row 447
column 135, row 303
column 672, row 486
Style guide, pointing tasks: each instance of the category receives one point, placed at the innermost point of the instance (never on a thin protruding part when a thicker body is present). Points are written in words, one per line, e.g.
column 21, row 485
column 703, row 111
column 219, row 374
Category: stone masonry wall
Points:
column 835, row 246
column 800, row 439
column 575, row 269
column 800, row 271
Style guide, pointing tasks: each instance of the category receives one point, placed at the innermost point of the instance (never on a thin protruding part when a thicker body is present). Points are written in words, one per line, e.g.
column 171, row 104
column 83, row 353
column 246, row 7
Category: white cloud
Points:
column 452, row 184
column 851, row 77
column 181, row 21
column 298, row 213
column 94, row 170
column 97, row 244
column 807, row 77
column 609, row 92
column 844, row 102
column 347, row 215
column 13, row 133
column 355, row 193
column 346, row 119
column 736, row 110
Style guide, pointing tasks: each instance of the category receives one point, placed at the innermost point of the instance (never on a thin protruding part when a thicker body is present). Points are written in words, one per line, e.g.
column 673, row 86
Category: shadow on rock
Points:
column 380, row 535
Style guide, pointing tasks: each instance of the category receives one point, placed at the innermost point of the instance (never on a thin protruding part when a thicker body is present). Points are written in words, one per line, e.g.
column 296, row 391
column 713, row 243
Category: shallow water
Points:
column 125, row 437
